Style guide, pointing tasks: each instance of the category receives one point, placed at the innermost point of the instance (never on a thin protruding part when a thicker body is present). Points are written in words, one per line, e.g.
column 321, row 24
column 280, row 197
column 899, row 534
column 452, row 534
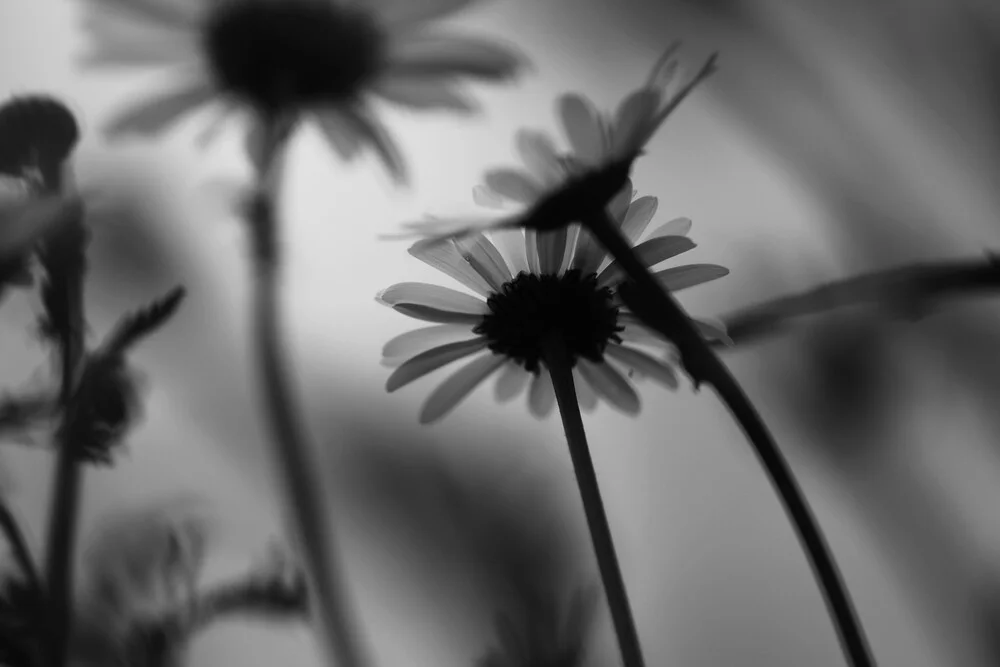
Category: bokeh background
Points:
column 838, row 137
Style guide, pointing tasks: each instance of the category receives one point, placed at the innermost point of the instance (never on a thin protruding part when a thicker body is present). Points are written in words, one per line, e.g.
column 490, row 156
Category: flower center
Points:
column 37, row 134
column 283, row 55
column 531, row 309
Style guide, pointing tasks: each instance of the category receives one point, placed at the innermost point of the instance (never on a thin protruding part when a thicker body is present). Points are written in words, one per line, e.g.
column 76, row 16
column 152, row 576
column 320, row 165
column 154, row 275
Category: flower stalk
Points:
column 659, row 309
column 559, row 367
column 292, row 455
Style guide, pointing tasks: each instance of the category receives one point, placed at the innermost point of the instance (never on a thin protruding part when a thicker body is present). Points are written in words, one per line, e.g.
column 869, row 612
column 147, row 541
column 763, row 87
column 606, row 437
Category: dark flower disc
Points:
column 36, row 133
column 531, row 309
column 283, row 56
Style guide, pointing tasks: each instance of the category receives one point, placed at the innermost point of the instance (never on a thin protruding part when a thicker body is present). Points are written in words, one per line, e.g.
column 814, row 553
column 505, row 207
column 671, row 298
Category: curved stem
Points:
column 291, row 453
column 649, row 301
column 597, row 521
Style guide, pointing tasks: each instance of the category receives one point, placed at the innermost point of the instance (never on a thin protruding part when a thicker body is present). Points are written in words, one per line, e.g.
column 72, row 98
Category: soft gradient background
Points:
column 837, row 137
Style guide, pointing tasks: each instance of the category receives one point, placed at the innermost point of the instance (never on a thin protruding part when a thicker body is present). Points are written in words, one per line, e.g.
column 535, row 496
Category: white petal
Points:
column 458, row 386
column 664, row 71
column 418, row 341
column 540, row 156
column 367, row 124
column 432, row 296
column 156, row 113
column 531, row 250
column 511, row 382
column 619, row 204
column 402, row 13
column 585, row 395
column 610, row 385
column 483, row 196
column 447, row 56
column 446, row 258
column 119, row 42
column 588, row 253
column 638, row 334
column 551, row 250
column 584, row 130
column 541, row 395
column 650, row 253
column 712, row 330
column 340, row 132
column 176, row 13
column 427, row 362
column 640, row 213
column 643, row 363
column 675, row 227
column 436, row 229
column 681, row 277
column 483, row 256
column 513, row 184
column 633, row 119
column 511, row 244
column 424, row 94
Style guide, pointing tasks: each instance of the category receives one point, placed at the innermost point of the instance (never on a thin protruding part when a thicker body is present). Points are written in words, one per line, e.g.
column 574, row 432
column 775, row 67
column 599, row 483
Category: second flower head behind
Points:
column 537, row 290
column 326, row 60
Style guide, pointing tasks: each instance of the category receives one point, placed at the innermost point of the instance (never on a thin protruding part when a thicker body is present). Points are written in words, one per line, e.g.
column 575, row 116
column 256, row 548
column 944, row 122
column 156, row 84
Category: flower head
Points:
column 325, row 59
column 554, row 189
column 532, row 290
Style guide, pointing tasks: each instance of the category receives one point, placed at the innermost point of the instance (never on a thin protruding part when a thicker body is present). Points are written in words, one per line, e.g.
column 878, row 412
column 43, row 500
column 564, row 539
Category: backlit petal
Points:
column 650, row 253
column 610, row 385
column 157, row 112
column 458, row 386
column 644, row 364
column 512, row 381
column 541, row 395
column 584, row 130
column 423, row 55
column 428, row 362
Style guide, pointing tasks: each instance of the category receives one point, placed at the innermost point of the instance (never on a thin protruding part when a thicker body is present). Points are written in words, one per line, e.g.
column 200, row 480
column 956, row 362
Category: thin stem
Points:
column 66, row 273
column 658, row 308
column 586, row 478
column 912, row 289
column 291, row 452
column 22, row 554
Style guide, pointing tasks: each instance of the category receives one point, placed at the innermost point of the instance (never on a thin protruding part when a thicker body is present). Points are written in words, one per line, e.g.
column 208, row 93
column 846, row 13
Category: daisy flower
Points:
column 530, row 290
column 328, row 60
column 554, row 188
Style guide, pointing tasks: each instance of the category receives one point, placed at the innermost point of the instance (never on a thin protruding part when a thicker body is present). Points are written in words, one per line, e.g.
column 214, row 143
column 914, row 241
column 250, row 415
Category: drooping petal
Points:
column 650, row 253
column 632, row 121
column 510, row 243
column 156, row 113
column 403, row 13
column 432, row 296
column 644, row 364
column 175, row 13
column 582, row 123
column 681, row 277
column 585, row 395
column 458, row 386
column 610, row 385
column 640, row 213
column 418, row 341
column 675, row 227
column 431, row 360
column 513, row 184
column 424, row 55
column 540, row 156
column 484, row 257
column 483, row 196
column 367, row 124
column 424, row 94
column 541, row 395
column 340, row 132
column 446, row 258
column 512, row 381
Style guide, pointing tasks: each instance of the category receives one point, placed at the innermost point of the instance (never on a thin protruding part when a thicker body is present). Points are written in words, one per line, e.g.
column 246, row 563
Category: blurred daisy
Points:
column 325, row 59
column 554, row 189
column 530, row 291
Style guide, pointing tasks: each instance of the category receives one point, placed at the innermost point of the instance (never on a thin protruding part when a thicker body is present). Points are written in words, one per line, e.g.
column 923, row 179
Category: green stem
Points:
column 658, row 308
column 600, row 532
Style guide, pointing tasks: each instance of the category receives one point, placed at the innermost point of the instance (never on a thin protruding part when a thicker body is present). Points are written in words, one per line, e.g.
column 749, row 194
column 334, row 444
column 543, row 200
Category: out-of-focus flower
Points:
column 543, row 639
column 325, row 59
column 563, row 288
column 37, row 136
column 556, row 189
